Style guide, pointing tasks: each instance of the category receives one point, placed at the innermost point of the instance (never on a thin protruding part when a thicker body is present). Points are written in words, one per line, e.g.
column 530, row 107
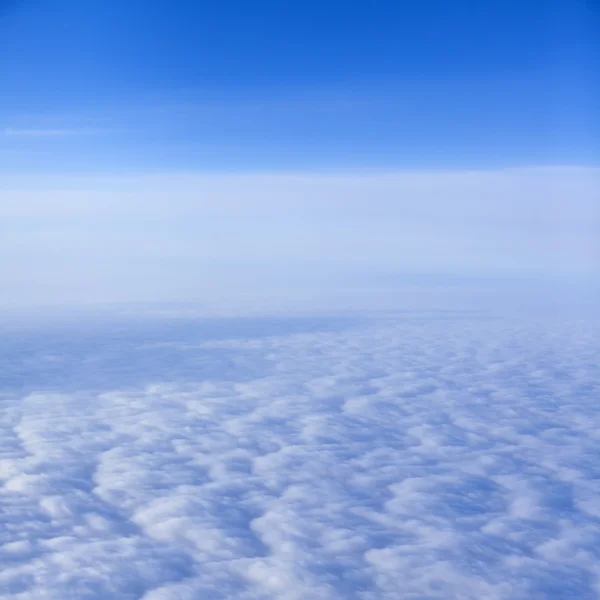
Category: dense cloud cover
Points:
column 420, row 456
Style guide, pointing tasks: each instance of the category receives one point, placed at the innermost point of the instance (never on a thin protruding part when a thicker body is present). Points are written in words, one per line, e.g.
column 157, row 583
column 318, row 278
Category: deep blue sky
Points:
column 192, row 85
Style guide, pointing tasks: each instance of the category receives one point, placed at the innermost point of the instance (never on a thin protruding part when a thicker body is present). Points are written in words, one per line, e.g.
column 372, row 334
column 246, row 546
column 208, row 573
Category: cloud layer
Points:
column 425, row 456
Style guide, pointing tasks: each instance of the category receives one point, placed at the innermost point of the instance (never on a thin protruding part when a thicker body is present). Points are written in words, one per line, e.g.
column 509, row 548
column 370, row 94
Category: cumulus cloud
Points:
column 421, row 456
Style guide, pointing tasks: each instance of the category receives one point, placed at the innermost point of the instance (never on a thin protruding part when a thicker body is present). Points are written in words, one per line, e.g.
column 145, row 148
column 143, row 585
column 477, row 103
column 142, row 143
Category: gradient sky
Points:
column 272, row 84
column 189, row 141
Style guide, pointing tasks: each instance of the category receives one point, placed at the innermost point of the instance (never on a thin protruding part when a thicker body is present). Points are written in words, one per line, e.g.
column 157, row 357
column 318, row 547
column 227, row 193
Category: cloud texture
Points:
column 424, row 456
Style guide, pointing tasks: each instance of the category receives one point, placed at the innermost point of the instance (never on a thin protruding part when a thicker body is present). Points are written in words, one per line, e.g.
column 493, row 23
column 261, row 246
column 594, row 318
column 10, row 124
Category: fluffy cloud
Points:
column 422, row 456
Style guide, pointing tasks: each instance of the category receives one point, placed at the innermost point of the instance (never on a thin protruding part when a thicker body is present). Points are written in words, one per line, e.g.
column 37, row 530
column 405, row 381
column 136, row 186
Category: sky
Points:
column 155, row 151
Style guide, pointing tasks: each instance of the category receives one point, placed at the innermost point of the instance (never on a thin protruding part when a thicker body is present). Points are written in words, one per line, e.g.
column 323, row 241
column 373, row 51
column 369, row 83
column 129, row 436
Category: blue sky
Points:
column 158, row 150
column 110, row 85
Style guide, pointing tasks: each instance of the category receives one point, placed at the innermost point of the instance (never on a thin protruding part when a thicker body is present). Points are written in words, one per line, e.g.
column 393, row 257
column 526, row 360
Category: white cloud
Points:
column 423, row 456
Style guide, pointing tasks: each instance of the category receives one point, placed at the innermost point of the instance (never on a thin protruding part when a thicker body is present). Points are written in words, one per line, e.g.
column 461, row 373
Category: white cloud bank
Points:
column 173, row 237
column 424, row 457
